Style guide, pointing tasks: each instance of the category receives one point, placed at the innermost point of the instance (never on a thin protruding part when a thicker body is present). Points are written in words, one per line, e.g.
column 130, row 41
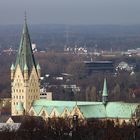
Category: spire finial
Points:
column 25, row 16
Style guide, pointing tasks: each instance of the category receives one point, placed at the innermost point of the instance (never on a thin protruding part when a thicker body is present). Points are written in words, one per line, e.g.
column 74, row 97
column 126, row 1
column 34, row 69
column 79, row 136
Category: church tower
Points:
column 25, row 77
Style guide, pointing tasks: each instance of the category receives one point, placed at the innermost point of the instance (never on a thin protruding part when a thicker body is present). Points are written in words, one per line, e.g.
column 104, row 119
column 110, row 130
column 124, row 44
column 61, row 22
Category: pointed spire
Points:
column 12, row 67
column 25, row 67
column 25, row 53
column 38, row 67
column 25, row 28
column 105, row 93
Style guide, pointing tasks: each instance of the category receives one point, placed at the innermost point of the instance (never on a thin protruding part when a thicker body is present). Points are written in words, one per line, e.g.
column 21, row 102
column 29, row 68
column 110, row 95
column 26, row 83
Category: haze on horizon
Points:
column 70, row 11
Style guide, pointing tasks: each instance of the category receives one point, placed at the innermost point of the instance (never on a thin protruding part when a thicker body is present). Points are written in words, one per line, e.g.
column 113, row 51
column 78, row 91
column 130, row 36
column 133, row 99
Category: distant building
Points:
column 99, row 66
column 132, row 52
column 45, row 95
column 9, row 51
column 76, row 50
column 124, row 66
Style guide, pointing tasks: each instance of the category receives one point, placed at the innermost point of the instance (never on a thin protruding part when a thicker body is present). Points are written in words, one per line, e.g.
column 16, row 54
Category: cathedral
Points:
column 25, row 88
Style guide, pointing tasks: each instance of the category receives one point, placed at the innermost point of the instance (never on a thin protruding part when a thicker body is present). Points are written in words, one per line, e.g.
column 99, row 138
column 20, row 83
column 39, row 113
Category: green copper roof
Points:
column 20, row 107
column 121, row 109
column 38, row 105
column 44, row 102
column 37, row 109
column 69, row 108
column 93, row 111
column 60, row 109
column 49, row 109
column 12, row 67
column 89, row 109
column 25, row 53
column 105, row 92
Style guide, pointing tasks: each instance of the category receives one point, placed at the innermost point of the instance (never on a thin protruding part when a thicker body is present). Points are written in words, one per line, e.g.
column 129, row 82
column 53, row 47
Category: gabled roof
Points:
column 49, row 109
column 4, row 118
column 37, row 109
column 17, row 119
column 20, row 119
column 121, row 109
column 60, row 109
column 89, row 110
column 25, row 54
column 40, row 104
column 69, row 108
column 93, row 111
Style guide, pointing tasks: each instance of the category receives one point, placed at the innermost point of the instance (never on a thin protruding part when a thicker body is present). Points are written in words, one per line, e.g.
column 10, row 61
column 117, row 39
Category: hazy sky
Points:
column 70, row 11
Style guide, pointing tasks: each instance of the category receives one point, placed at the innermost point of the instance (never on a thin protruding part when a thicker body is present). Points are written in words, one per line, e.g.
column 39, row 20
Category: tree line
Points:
column 122, row 86
column 33, row 128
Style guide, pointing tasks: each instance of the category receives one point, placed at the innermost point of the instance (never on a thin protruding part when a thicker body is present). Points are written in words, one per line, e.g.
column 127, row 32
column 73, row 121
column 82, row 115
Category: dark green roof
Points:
column 25, row 53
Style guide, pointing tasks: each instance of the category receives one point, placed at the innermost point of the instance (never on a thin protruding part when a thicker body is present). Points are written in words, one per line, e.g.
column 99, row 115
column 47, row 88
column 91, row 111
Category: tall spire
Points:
column 105, row 93
column 12, row 67
column 25, row 53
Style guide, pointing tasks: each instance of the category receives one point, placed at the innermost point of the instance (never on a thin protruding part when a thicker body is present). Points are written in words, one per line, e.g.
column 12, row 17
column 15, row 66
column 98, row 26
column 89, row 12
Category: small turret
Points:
column 38, row 70
column 12, row 71
column 105, row 93
column 26, row 72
